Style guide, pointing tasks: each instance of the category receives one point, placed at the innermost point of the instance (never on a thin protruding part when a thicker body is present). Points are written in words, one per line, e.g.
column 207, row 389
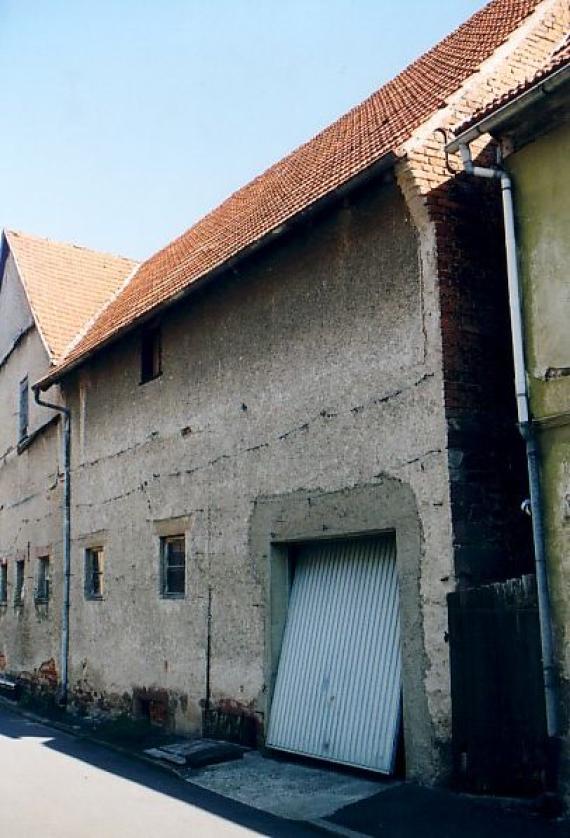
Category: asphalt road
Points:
column 58, row 786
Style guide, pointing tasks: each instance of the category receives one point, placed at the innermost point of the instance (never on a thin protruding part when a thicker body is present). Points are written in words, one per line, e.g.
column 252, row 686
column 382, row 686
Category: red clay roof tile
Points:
column 66, row 285
column 336, row 155
column 560, row 57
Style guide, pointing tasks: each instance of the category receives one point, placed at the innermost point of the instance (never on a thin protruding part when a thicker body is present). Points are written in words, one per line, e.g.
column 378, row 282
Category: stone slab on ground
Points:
column 197, row 753
column 159, row 753
column 286, row 789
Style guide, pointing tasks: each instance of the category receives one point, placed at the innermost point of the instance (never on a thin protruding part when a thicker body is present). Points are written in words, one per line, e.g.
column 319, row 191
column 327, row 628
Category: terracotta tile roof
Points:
column 368, row 132
column 66, row 285
column 560, row 58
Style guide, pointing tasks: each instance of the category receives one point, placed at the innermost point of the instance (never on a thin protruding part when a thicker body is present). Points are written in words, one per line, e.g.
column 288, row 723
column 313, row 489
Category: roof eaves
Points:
column 384, row 163
column 505, row 112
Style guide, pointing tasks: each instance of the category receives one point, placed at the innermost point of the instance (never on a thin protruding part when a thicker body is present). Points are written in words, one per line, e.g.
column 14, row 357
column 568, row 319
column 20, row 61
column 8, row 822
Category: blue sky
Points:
column 124, row 122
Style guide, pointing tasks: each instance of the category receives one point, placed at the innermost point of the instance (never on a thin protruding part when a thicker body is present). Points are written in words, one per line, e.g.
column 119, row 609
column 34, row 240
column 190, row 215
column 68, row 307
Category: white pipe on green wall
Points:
column 514, row 300
column 528, row 433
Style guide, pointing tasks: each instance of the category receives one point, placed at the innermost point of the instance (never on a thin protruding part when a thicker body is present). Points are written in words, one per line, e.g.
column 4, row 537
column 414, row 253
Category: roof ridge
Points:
column 58, row 243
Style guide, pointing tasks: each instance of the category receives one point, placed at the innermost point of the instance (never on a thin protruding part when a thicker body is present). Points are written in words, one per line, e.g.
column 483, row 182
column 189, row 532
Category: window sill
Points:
column 23, row 443
column 172, row 596
column 142, row 382
column 28, row 440
column 94, row 597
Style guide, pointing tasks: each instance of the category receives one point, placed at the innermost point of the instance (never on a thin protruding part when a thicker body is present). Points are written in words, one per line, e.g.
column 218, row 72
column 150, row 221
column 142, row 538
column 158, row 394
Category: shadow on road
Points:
column 410, row 811
column 401, row 811
column 16, row 727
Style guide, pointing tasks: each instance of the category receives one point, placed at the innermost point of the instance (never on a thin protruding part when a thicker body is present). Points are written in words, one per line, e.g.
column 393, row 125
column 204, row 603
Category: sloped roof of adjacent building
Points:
column 369, row 132
column 559, row 59
column 66, row 285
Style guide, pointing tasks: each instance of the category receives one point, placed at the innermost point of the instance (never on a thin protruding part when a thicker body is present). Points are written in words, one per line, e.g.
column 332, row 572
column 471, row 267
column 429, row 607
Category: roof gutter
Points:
column 510, row 110
column 386, row 162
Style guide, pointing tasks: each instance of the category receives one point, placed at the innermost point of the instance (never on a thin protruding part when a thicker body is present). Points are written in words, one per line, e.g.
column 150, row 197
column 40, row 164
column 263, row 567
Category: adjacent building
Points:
column 48, row 292
column 532, row 124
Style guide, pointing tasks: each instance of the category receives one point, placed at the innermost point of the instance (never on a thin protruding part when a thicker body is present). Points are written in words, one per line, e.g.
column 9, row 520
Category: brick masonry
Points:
column 461, row 220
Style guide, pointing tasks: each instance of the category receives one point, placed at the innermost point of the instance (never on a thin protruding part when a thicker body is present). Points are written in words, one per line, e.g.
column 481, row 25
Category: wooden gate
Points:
column 499, row 727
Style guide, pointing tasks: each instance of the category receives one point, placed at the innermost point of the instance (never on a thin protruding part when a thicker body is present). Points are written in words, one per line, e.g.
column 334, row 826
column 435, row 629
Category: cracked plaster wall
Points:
column 30, row 497
column 313, row 368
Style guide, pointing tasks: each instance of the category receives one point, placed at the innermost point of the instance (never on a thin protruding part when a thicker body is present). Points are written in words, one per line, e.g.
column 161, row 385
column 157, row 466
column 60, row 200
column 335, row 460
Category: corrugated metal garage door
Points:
column 337, row 693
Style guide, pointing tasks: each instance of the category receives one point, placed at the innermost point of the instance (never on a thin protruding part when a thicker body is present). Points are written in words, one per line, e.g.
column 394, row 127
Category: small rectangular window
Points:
column 19, row 586
column 94, row 567
column 43, row 580
column 24, row 408
column 173, row 570
column 3, row 583
column 151, row 354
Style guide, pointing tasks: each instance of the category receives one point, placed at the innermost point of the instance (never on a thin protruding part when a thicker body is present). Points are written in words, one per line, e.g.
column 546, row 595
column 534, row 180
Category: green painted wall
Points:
column 541, row 175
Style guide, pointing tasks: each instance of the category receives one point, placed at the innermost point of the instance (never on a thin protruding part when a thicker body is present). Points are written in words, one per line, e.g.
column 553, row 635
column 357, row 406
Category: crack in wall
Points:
column 15, row 343
column 322, row 415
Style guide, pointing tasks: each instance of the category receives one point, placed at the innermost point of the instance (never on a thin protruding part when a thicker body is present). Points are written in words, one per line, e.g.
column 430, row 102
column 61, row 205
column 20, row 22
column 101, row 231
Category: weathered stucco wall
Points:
column 327, row 387
column 15, row 315
column 312, row 370
column 541, row 174
column 30, row 520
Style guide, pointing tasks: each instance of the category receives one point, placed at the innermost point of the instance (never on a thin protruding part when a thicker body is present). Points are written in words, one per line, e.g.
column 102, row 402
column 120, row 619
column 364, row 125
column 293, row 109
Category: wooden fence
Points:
column 499, row 728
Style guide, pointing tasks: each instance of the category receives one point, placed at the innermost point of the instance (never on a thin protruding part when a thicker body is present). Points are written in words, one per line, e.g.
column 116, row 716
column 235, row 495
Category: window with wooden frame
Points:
column 3, row 583
column 43, row 580
column 19, row 583
column 24, row 409
column 173, row 566
column 94, row 570
column 151, row 354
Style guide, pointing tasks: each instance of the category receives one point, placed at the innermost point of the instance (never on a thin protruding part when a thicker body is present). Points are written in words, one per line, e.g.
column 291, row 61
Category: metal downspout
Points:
column 528, row 433
column 64, row 659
